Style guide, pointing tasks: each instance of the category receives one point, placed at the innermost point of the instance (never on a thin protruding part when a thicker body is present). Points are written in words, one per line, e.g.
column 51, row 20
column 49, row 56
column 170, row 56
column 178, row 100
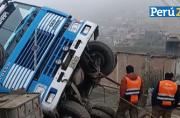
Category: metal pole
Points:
column 175, row 66
column 117, row 69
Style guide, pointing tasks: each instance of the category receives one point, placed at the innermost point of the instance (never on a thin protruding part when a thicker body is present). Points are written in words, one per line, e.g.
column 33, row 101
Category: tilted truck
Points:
column 49, row 52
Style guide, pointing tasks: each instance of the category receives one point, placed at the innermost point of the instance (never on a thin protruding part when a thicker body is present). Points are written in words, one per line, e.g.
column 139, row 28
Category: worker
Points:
column 130, row 90
column 165, row 97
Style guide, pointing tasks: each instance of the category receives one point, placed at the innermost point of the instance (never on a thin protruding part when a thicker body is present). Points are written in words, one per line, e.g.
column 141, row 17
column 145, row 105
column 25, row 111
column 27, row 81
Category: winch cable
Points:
column 133, row 105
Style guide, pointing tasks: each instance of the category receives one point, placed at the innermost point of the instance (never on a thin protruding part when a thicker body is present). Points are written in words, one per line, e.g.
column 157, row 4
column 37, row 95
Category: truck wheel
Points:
column 105, row 109
column 95, row 113
column 72, row 109
column 98, row 51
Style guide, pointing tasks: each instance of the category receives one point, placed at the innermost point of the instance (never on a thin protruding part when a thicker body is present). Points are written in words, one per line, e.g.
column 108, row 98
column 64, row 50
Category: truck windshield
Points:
column 12, row 21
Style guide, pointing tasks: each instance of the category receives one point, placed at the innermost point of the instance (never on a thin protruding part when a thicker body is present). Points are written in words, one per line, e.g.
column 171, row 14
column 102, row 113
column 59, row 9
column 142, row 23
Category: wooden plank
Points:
column 29, row 108
column 6, row 99
column 19, row 100
column 21, row 110
column 37, row 108
column 21, row 106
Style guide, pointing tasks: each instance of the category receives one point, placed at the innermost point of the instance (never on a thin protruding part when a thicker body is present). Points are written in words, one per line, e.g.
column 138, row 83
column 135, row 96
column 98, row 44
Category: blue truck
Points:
column 49, row 52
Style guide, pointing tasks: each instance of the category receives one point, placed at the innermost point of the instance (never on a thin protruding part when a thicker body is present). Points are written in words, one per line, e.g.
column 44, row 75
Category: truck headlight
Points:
column 86, row 29
column 51, row 95
column 50, row 98
column 74, row 27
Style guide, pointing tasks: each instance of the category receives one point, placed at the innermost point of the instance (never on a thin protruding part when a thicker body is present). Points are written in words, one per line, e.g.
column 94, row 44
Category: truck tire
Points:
column 95, row 113
column 105, row 109
column 99, row 50
column 72, row 109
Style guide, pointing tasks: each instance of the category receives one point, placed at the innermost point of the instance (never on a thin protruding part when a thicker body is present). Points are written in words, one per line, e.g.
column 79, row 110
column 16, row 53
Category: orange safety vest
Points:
column 167, row 92
column 133, row 89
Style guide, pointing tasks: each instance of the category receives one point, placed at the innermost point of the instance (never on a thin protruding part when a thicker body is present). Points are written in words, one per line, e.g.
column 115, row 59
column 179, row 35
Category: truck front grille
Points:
column 18, row 77
column 35, row 51
column 58, row 54
column 31, row 54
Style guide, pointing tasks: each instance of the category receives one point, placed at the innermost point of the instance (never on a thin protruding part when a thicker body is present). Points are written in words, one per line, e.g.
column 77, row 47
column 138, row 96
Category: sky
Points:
column 98, row 10
column 92, row 8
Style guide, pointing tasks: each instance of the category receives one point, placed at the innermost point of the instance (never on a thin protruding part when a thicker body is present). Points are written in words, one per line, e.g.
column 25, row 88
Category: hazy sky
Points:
column 95, row 10
column 89, row 9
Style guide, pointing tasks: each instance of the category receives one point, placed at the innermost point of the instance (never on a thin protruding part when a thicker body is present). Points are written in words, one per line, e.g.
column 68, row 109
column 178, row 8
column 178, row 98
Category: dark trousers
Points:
column 123, row 107
column 157, row 112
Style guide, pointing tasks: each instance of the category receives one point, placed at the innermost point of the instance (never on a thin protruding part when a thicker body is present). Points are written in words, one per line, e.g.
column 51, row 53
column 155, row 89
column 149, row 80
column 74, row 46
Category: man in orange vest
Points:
column 165, row 97
column 130, row 90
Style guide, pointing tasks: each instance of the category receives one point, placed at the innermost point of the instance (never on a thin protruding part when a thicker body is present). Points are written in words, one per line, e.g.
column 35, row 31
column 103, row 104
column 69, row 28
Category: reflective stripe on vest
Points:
column 165, row 95
column 167, row 90
column 132, row 93
column 165, row 98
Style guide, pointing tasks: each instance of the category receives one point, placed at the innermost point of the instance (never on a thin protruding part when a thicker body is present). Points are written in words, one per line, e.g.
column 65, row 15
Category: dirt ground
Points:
column 110, row 97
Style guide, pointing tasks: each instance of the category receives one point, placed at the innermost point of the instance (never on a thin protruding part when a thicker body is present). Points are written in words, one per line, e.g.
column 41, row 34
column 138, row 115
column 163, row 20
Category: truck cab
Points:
column 40, row 49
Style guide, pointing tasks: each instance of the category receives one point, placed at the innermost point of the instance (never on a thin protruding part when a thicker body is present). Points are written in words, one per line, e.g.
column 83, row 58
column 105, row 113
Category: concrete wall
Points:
column 143, row 63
